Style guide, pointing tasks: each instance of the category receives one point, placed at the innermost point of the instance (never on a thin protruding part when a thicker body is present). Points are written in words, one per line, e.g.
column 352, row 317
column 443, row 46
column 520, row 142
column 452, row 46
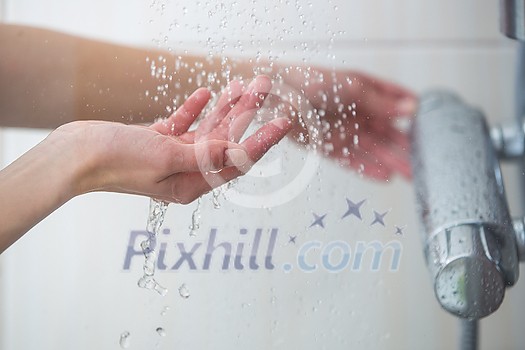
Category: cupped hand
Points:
column 358, row 119
column 166, row 160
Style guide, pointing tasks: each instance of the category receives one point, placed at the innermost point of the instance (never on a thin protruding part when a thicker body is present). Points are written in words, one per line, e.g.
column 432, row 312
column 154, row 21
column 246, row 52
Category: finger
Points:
column 233, row 126
column 380, row 107
column 229, row 97
column 265, row 138
column 242, row 114
column 385, row 130
column 398, row 138
column 212, row 155
column 180, row 121
column 384, row 86
column 216, row 126
column 376, row 107
column 186, row 187
column 386, row 155
column 378, row 98
column 405, row 100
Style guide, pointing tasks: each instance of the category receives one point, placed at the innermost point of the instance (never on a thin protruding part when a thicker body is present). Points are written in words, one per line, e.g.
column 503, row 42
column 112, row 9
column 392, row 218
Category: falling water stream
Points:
column 157, row 211
column 217, row 47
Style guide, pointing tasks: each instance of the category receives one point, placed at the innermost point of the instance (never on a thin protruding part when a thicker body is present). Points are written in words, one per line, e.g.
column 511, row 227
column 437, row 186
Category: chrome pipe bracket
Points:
column 509, row 140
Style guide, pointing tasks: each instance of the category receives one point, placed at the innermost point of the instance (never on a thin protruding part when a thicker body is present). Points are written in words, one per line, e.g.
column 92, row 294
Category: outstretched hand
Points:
column 166, row 160
column 358, row 117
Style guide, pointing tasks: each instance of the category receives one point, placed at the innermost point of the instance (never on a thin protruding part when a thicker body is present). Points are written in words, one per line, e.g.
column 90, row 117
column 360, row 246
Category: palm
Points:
column 227, row 121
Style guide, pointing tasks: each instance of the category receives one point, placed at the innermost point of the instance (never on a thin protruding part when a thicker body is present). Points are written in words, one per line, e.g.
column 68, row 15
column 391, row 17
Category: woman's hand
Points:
column 166, row 160
column 358, row 117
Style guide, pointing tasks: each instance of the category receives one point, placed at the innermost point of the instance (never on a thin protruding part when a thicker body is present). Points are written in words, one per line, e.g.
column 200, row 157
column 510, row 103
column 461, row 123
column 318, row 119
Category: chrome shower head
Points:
column 468, row 237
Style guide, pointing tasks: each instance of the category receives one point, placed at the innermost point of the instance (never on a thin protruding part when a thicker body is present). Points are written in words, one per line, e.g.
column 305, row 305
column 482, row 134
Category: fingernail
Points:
column 407, row 106
column 281, row 123
column 235, row 157
column 261, row 84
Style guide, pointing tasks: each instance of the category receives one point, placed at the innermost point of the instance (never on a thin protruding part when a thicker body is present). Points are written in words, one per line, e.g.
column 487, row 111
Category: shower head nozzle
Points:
column 468, row 236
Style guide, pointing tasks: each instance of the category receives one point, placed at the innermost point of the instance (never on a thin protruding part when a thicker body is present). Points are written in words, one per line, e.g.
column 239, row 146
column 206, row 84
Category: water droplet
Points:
column 184, row 292
column 161, row 331
column 124, row 340
column 165, row 310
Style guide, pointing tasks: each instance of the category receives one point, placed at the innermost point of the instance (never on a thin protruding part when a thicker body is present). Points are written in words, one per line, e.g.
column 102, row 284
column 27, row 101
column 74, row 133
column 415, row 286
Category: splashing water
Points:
column 220, row 191
column 195, row 219
column 157, row 211
column 327, row 88
column 124, row 340
column 216, row 192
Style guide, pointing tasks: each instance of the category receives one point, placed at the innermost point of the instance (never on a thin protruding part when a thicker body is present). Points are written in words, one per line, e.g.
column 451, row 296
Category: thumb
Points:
column 212, row 155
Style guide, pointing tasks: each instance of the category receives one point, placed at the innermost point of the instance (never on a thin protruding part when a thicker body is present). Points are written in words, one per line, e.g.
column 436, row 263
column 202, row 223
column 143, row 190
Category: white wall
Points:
column 63, row 285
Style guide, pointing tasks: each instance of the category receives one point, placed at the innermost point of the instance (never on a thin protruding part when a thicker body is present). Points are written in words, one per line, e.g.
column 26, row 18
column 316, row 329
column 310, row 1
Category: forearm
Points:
column 34, row 186
column 49, row 78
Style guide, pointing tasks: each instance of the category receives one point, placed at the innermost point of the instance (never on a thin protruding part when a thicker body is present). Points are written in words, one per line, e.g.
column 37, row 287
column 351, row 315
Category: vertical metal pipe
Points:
column 469, row 335
column 520, row 107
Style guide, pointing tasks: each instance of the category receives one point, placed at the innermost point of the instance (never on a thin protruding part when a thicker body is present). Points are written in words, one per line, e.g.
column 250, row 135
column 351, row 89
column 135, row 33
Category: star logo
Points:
column 353, row 209
column 379, row 218
column 399, row 231
column 318, row 220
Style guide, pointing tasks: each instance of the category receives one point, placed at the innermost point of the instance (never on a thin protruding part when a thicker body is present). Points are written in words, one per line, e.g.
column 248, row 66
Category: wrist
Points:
column 36, row 184
column 76, row 158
